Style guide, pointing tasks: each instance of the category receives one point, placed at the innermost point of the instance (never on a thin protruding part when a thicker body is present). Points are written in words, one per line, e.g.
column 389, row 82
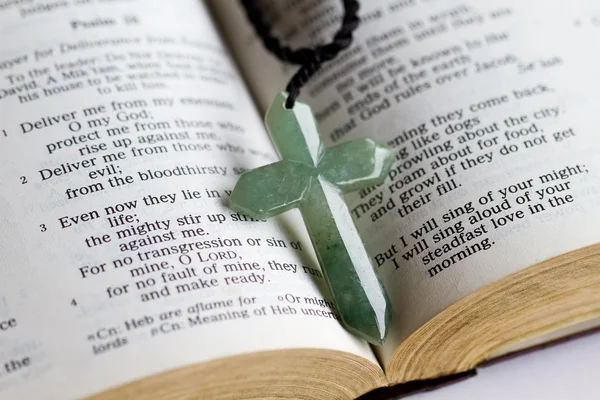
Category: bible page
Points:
column 124, row 126
column 491, row 109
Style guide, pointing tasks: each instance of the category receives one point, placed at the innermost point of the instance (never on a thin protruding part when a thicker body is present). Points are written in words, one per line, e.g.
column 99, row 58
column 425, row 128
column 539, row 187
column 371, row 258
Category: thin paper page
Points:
column 123, row 127
column 491, row 109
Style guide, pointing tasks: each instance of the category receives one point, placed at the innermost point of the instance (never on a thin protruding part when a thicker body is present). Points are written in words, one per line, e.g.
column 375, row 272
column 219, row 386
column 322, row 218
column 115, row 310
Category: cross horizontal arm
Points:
column 356, row 164
column 272, row 189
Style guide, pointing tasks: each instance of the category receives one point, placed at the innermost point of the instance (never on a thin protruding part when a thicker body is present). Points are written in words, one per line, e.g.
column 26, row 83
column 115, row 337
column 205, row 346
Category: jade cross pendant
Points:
column 314, row 178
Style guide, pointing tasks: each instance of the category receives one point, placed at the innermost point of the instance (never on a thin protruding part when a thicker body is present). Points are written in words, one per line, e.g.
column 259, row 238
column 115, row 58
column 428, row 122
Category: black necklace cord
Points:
column 310, row 60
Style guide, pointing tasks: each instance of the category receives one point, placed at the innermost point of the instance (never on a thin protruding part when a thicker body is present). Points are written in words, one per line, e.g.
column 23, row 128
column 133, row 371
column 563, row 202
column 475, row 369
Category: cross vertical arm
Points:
column 345, row 262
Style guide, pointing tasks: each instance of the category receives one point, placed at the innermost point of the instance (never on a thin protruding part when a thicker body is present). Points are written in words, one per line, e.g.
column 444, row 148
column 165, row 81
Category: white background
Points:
column 569, row 371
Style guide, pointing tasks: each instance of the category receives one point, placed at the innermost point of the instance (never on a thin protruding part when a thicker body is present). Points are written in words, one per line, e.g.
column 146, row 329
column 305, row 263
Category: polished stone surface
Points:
column 314, row 178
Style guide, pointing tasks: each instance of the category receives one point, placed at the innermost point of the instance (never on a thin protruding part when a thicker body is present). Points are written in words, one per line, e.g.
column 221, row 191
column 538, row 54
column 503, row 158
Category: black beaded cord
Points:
column 310, row 60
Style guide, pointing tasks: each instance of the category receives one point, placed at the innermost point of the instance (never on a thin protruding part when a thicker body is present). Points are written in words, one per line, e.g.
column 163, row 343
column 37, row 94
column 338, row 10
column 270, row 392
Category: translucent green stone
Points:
column 314, row 179
column 272, row 189
column 356, row 164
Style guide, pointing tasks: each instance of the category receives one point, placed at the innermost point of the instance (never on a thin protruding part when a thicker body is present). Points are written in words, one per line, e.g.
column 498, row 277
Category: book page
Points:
column 124, row 126
column 491, row 109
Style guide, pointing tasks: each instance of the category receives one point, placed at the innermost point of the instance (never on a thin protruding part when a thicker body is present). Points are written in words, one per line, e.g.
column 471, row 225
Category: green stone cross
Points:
column 314, row 179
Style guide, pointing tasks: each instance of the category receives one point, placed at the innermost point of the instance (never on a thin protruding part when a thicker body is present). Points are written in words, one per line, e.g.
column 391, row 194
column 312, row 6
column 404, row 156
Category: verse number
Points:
column 43, row 228
column 23, row 180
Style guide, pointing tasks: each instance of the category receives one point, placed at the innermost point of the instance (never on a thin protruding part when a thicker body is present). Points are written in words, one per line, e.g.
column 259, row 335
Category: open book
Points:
column 124, row 126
